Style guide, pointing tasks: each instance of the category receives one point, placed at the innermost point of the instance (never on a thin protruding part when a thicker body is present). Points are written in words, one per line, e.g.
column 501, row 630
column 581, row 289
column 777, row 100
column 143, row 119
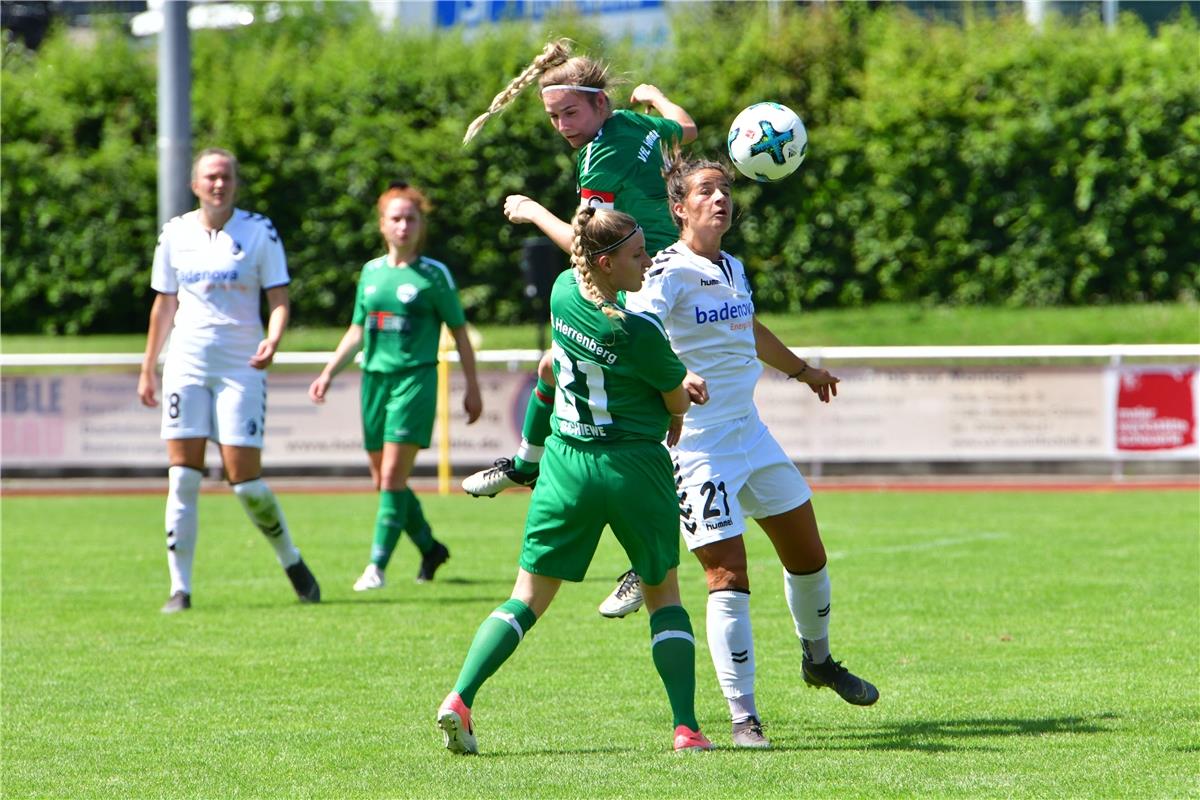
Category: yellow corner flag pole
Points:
column 443, row 411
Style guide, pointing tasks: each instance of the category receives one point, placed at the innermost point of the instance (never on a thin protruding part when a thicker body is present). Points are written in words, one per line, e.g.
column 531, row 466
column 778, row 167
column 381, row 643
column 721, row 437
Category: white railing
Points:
column 1114, row 353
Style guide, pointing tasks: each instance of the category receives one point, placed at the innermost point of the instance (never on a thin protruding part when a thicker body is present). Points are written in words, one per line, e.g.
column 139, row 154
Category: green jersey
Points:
column 402, row 310
column 610, row 372
column 622, row 169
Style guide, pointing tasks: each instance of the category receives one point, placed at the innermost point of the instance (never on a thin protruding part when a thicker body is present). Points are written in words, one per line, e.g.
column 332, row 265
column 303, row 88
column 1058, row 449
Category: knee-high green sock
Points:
column 674, row 650
column 496, row 640
column 415, row 525
column 389, row 524
column 536, row 427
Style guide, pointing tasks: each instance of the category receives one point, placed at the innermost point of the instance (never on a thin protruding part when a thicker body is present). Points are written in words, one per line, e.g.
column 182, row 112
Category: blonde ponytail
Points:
column 553, row 54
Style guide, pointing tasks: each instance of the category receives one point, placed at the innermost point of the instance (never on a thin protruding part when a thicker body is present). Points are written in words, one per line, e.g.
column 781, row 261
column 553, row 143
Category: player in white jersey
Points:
column 211, row 268
column 728, row 466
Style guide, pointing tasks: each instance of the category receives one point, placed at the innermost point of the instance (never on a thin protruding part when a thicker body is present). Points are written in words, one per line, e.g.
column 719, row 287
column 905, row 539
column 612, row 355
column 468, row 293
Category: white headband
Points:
column 571, row 86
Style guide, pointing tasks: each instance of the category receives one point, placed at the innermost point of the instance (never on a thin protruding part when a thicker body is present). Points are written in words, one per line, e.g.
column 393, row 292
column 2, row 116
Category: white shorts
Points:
column 731, row 471
column 230, row 409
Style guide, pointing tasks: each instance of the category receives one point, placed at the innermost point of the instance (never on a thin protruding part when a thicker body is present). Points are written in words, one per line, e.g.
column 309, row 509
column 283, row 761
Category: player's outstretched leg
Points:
column 625, row 598
column 521, row 469
column 808, row 598
column 182, row 524
column 495, row 641
column 261, row 506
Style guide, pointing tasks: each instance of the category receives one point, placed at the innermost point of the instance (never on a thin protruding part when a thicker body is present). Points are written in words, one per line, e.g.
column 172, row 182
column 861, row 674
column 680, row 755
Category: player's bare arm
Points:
column 776, row 354
column 277, row 320
column 649, row 95
column 350, row 344
column 162, row 317
column 521, row 209
column 472, row 399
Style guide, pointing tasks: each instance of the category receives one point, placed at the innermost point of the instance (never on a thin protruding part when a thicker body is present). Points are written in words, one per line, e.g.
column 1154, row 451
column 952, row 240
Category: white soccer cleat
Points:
column 495, row 479
column 372, row 578
column 454, row 719
column 625, row 599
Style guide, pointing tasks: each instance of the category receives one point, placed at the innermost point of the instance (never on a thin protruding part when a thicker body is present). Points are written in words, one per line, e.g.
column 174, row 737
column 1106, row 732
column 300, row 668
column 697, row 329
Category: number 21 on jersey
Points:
column 581, row 396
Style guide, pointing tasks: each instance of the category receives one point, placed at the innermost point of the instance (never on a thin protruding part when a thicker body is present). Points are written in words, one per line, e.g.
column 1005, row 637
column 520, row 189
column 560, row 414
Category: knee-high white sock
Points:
column 731, row 644
column 182, row 525
column 263, row 509
column 808, row 599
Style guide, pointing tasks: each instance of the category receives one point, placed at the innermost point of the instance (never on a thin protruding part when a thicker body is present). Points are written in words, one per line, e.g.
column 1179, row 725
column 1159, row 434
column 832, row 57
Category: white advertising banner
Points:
column 884, row 414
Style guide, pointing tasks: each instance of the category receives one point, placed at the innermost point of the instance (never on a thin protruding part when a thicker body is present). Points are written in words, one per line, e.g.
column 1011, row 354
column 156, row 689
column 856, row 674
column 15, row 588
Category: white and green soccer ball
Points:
column 767, row 142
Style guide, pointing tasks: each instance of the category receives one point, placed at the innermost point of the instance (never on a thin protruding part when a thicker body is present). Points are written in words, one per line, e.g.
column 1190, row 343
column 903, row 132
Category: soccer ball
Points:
column 767, row 142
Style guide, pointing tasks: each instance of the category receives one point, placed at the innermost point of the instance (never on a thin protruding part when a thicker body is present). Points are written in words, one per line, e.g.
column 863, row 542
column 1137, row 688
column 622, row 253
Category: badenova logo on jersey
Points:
column 209, row 275
column 724, row 313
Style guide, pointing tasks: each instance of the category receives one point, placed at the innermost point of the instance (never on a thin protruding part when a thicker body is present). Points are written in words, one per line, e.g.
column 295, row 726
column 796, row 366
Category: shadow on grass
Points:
column 420, row 602
column 937, row 736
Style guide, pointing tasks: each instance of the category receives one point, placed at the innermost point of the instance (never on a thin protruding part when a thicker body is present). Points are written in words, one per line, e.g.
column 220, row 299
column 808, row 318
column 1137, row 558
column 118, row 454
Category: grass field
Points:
column 896, row 324
column 1025, row 644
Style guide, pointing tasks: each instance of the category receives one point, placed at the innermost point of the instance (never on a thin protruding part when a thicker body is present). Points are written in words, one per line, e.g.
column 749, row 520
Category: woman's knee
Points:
column 725, row 565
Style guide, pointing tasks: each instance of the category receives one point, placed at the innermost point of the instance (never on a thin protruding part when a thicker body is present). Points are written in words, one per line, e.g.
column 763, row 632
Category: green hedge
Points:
column 981, row 162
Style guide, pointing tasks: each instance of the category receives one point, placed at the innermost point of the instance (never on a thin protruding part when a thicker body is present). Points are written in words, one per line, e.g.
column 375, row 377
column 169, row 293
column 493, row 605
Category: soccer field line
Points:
column 932, row 544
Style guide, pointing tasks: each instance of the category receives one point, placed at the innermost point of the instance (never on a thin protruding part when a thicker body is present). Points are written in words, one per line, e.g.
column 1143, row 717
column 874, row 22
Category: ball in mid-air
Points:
column 767, row 142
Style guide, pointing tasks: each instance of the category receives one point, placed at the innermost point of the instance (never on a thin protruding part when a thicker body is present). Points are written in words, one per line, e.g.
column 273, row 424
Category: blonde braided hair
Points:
column 594, row 231
column 554, row 65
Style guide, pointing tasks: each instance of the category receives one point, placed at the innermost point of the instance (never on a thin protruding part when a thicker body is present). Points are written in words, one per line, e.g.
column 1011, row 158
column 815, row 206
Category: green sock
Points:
column 537, row 424
column 415, row 525
column 674, row 650
column 496, row 640
column 389, row 524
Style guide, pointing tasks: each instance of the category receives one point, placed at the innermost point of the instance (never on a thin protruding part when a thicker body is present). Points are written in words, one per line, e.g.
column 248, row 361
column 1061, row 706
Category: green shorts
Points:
column 399, row 407
column 628, row 487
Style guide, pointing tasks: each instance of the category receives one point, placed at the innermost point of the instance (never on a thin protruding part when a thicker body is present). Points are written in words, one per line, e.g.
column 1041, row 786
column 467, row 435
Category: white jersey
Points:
column 708, row 312
column 219, row 277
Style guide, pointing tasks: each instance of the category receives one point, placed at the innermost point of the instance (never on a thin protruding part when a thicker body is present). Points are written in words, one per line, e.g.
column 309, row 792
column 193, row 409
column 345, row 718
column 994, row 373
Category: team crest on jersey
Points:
column 597, row 199
column 406, row 293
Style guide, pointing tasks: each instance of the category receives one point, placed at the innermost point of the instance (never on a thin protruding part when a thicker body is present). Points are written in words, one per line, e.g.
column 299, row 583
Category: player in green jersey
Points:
column 402, row 300
column 620, row 385
column 619, row 165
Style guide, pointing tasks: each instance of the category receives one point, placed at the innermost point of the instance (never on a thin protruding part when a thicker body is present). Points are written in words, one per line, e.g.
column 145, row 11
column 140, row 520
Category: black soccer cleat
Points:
column 831, row 674
column 180, row 601
column 437, row 555
column 303, row 581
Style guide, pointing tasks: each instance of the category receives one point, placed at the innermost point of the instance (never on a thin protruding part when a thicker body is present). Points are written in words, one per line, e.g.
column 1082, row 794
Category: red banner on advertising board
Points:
column 1155, row 409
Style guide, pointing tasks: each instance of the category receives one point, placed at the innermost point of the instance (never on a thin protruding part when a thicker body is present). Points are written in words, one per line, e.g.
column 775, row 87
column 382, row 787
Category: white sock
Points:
column 808, row 599
column 182, row 525
column 529, row 452
column 731, row 645
column 263, row 510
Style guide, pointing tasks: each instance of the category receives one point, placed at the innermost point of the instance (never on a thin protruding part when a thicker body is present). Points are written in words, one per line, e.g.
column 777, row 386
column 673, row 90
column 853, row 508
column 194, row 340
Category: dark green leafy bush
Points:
column 980, row 162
